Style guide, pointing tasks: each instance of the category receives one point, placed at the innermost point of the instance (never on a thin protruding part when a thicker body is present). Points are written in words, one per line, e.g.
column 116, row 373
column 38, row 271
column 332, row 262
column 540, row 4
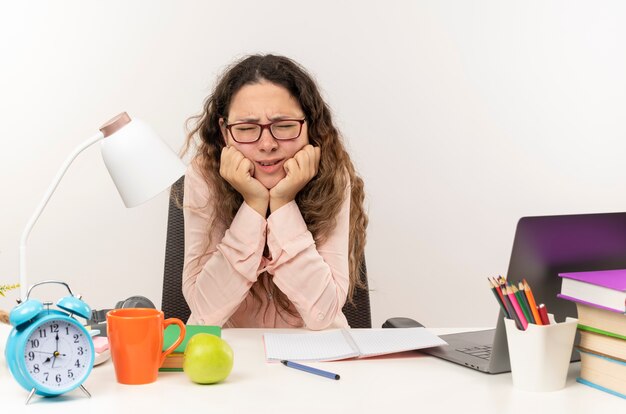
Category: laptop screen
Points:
column 545, row 246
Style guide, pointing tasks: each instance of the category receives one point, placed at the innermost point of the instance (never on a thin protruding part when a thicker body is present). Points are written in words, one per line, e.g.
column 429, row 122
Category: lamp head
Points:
column 139, row 162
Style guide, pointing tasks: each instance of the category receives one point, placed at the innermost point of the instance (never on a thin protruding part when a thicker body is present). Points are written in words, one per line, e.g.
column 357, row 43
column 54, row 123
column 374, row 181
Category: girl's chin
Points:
column 269, row 182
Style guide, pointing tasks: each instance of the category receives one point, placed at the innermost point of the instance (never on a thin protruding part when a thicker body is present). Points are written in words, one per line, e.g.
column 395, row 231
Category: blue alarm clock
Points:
column 48, row 351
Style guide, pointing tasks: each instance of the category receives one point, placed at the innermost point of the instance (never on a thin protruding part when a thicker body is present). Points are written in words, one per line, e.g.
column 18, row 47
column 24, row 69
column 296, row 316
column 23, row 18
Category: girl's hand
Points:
column 300, row 170
column 239, row 172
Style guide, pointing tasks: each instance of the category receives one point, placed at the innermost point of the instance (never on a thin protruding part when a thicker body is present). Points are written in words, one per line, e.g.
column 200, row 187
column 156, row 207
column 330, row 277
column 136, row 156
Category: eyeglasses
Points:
column 249, row 132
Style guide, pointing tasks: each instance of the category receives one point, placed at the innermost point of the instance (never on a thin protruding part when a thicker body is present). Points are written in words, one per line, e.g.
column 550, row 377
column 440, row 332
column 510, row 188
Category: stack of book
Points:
column 174, row 361
column 600, row 299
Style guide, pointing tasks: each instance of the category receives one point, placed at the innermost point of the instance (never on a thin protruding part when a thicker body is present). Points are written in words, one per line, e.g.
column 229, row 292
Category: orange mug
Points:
column 136, row 343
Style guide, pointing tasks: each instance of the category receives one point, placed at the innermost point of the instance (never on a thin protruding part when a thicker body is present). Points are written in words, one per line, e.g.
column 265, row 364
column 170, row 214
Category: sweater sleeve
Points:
column 218, row 274
column 314, row 278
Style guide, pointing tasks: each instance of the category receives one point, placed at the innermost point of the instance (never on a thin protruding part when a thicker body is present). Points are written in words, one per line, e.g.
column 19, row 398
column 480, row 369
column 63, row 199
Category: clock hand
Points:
column 55, row 355
column 56, row 352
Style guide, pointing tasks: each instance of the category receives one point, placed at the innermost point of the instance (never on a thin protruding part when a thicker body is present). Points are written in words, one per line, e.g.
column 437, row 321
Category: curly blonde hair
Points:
column 320, row 200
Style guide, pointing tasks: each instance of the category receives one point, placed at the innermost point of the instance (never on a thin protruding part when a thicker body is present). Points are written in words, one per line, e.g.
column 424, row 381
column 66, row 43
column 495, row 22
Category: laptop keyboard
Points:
column 483, row 352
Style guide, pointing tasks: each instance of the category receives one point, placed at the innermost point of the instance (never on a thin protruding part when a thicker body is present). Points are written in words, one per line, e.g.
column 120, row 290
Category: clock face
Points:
column 58, row 354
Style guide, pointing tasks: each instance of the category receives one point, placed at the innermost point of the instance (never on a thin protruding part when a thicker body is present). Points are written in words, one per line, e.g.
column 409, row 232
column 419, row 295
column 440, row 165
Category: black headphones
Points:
column 99, row 317
column 135, row 302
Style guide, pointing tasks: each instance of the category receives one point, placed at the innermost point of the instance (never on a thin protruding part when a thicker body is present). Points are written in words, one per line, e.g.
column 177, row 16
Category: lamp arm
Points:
column 29, row 226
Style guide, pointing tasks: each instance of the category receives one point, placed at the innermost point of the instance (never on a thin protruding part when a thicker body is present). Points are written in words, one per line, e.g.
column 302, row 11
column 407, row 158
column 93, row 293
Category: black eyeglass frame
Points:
column 267, row 126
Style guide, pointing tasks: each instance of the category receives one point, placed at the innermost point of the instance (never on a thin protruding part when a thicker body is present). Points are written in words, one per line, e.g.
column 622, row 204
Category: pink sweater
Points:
column 217, row 277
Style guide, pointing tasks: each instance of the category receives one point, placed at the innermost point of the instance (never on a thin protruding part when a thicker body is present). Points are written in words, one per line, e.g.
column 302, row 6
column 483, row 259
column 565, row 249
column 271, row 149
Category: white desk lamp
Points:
column 139, row 162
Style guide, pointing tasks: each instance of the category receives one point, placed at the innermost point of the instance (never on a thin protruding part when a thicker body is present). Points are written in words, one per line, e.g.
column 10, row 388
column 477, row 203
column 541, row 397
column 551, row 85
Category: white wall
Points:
column 461, row 117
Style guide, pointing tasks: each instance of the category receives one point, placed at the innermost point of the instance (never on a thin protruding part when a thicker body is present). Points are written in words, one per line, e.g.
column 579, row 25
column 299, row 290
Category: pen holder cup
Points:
column 540, row 355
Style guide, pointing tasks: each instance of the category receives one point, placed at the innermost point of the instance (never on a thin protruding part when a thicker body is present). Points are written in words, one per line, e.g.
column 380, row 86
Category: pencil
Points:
column 522, row 305
column 509, row 306
column 531, row 302
column 499, row 297
column 543, row 313
column 496, row 285
column 524, row 302
column 503, row 288
column 501, row 280
column 518, row 310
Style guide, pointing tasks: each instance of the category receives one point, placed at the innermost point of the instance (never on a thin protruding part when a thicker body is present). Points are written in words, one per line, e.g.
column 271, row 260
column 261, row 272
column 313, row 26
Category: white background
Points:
column 461, row 117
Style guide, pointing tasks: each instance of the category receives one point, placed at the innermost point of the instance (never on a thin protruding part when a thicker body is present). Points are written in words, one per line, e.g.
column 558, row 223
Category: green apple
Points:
column 208, row 359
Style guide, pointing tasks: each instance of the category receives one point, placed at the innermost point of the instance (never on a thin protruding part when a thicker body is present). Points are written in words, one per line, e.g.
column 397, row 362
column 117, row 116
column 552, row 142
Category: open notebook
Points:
column 346, row 343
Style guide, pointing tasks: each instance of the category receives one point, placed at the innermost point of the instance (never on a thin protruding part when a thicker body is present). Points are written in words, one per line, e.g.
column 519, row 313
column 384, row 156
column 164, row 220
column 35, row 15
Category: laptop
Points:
column 543, row 247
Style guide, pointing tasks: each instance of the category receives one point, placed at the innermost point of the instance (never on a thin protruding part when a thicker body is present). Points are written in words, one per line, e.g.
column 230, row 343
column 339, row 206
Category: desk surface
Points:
column 408, row 382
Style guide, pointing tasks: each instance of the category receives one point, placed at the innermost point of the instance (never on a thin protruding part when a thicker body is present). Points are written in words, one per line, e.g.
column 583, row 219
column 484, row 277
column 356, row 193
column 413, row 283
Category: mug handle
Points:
column 181, row 336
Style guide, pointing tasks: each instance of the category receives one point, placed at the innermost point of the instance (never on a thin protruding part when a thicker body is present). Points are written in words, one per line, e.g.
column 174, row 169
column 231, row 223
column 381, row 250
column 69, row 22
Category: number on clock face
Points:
column 57, row 354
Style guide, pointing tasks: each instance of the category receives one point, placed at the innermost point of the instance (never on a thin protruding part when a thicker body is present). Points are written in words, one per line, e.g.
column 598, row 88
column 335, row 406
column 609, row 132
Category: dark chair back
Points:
column 173, row 302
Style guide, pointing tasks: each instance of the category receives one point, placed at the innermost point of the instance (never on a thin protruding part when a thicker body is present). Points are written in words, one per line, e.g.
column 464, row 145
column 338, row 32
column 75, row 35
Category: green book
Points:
column 172, row 332
column 600, row 331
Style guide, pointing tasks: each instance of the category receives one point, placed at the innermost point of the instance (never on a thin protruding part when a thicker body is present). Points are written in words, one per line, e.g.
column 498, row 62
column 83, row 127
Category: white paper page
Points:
column 386, row 341
column 312, row 346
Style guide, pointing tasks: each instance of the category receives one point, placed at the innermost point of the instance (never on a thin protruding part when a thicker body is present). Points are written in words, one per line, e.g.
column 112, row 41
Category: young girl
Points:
column 274, row 219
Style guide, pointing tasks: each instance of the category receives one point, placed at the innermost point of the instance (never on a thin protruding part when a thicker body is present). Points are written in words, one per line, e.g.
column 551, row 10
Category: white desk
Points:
column 409, row 382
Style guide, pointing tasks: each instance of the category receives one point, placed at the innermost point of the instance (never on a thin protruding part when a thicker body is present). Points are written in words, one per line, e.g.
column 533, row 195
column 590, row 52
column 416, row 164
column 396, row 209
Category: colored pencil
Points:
column 522, row 296
column 502, row 284
column 501, row 280
column 496, row 292
column 496, row 286
column 522, row 305
column 511, row 309
column 543, row 313
column 516, row 306
column 531, row 301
